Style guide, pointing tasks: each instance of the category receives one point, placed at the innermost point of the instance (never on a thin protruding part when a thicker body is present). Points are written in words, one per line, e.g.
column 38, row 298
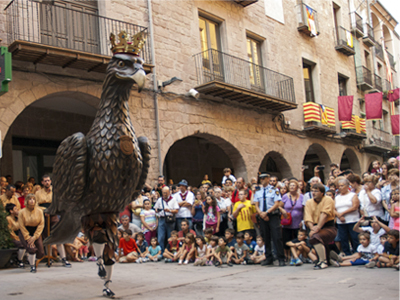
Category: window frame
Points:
column 310, row 66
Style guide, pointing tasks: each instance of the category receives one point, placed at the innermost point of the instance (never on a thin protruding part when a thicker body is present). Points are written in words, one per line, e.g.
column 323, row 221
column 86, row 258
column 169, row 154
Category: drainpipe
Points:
column 155, row 87
column 373, row 48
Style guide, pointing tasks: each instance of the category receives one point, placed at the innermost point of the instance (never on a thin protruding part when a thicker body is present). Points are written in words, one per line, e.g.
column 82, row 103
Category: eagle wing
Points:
column 69, row 171
column 145, row 148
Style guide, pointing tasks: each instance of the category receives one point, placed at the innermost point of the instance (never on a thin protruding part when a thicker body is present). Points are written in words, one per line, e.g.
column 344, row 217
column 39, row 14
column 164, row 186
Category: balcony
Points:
column 245, row 3
column 379, row 141
column 222, row 77
column 378, row 83
column 318, row 122
column 364, row 78
column 344, row 41
column 356, row 25
column 307, row 19
column 391, row 59
column 368, row 39
column 39, row 32
column 379, row 51
column 354, row 131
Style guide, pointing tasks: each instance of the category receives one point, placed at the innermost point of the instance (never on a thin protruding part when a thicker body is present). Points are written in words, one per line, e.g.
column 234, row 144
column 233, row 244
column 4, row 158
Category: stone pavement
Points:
column 170, row 281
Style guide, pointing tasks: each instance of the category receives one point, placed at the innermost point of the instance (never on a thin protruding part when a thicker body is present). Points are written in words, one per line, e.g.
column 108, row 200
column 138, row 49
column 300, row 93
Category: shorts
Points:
column 130, row 255
column 359, row 262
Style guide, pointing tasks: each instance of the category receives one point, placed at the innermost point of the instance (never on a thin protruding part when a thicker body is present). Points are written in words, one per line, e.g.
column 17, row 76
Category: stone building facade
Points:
column 57, row 82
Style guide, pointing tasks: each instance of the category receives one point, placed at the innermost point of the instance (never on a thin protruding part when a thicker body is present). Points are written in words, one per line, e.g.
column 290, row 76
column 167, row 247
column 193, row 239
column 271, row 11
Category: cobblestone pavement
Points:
column 171, row 281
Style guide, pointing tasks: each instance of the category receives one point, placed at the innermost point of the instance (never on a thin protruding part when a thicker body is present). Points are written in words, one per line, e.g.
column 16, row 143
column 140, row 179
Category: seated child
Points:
column 208, row 233
column 154, row 253
column 248, row 240
column 223, row 254
column 379, row 252
column 365, row 252
column 173, row 250
column 201, row 252
column 128, row 250
column 230, row 240
column 259, row 251
column 211, row 250
column 376, row 229
column 143, row 247
column 188, row 249
column 241, row 250
column 390, row 255
column 300, row 246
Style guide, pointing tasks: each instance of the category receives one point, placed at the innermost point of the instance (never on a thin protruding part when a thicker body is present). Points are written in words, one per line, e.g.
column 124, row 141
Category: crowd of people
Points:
column 352, row 219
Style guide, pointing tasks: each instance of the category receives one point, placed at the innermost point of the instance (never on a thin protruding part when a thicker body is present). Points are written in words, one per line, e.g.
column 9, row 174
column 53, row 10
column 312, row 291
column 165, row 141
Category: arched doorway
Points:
column 275, row 164
column 316, row 155
column 34, row 136
column 194, row 156
column 350, row 161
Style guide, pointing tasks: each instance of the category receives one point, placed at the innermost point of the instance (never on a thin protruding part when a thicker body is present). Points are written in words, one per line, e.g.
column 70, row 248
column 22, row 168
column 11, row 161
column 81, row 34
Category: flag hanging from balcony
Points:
column 393, row 95
column 311, row 21
column 373, row 106
column 311, row 112
column 349, row 124
column 387, row 63
column 330, row 112
column 345, row 107
column 324, row 115
column 395, row 120
column 349, row 38
column 363, row 126
column 357, row 123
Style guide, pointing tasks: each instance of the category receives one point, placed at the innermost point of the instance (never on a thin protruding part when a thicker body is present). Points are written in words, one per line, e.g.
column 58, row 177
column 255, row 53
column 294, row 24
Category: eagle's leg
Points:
column 102, row 229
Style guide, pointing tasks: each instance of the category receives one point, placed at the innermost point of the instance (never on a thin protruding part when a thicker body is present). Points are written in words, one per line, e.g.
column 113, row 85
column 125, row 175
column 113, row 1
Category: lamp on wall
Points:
column 168, row 82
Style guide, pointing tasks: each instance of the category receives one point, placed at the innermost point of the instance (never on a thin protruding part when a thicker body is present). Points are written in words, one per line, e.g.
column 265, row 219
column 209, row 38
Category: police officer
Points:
column 267, row 201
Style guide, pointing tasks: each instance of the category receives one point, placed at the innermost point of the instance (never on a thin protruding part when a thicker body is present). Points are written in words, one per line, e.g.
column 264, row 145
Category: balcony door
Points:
column 70, row 24
column 210, row 48
column 256, row 72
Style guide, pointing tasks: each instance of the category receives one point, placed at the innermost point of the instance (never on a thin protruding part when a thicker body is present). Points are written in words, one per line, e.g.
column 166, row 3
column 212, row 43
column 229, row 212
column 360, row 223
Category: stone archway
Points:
column 34, row 135
column 184, row 160
column 316, row 155
column 350, row 160
column 275, row 164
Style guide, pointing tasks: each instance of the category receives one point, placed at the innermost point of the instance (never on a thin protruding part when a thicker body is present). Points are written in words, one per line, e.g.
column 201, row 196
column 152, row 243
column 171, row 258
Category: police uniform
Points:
column 266, row 197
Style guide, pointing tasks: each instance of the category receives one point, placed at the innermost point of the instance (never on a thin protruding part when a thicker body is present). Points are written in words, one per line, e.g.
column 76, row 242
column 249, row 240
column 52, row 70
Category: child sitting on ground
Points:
column 223, row 254
column 248, row 240
column 173, row 250
column 208, row 234
column 154, row 253
column 189, row 249
column 143, row 247
column 376, row 229
column 211, row 250
column 379, row 251
column 201, row 252
column 300, row 246
column 230, row 238
column 365, row 252
column 241, row 250
column 128, row 245
column 390, row 255
column 259, row 251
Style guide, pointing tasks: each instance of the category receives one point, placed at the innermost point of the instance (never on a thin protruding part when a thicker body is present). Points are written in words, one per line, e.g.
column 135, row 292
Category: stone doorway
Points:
column 275, row 164
column 316, row 155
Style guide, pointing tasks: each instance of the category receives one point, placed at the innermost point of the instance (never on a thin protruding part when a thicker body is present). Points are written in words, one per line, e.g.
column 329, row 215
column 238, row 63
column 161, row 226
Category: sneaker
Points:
column 202, row 263
column 180, row 262
column 66, row 263
column 108, row 293
column 371, row 264
column 243, row 263
column 229, row 264
column 139, row 260
column 156, row 259
column 335, row 256
column 168, row 260
column 92, row 258
column 186, row 262
column 21, row 265
column 217, row 264
column 298, row 262
column 292, row 262
column 33, row 269
column 334, row 263
column 321, row 265
column 196, row 262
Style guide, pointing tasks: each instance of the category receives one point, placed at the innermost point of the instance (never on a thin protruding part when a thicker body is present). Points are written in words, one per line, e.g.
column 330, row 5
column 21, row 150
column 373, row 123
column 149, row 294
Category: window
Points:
column 209, row 38
column 336, row 19
column 308, row 81
column 367, row 60
column 254, row 57
column 342, row 85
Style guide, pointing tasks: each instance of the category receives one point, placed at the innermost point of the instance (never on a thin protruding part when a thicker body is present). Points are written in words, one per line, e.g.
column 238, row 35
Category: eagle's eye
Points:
column 121, row 64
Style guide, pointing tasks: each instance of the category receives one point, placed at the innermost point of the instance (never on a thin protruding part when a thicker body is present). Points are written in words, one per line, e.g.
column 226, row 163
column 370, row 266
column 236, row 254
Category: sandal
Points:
column 321, row 265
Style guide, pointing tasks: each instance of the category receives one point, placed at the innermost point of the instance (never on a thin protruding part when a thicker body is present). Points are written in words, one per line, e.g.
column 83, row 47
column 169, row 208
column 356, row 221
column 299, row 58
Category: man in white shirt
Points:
column 165, row 206
column 224, row 209
column 185, row 200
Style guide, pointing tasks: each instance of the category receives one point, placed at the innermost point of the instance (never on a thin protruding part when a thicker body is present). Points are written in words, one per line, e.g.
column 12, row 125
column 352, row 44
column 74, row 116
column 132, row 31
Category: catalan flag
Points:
column 349, row 124
column 324, row 115
column 330, row 112
column 311, row 112
column 363, row 126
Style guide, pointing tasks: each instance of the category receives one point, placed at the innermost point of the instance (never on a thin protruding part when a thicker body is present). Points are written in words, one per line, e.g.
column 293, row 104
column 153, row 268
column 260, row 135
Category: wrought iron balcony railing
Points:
column 369, row 38
column 364, row 76
column 379, row 51
column 356, row 22
column 391, row 59
column 378, row 84
column 46, row 24
column 213, row 65
column 344, row 41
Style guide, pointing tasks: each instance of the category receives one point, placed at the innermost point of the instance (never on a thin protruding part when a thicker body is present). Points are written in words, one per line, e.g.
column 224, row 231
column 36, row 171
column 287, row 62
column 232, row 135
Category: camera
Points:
column 321, row 168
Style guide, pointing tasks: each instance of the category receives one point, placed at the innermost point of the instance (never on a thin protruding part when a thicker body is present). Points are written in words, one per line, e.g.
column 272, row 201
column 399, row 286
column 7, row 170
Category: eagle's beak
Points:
column 140, row 78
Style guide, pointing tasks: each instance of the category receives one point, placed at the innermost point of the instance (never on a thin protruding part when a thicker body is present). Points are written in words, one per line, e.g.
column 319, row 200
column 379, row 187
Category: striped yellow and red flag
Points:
column 363, row 126
column 311, row 112
column 330, row 112
column 349, row 124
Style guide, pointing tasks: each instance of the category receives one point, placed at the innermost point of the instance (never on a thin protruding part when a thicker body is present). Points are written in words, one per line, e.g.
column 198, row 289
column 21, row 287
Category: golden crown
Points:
column 127, row 43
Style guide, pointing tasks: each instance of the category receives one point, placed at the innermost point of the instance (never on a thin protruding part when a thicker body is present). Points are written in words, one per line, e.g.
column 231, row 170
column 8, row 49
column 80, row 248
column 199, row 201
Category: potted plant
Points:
column 6, row 244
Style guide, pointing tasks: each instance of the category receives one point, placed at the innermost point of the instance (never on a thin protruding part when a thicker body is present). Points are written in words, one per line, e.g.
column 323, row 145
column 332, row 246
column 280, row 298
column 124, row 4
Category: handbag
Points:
column 168, row 218
column 288, row 221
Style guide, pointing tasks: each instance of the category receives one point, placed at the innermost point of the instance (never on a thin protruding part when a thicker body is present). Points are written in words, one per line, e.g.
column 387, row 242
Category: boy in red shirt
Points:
column 128, row 249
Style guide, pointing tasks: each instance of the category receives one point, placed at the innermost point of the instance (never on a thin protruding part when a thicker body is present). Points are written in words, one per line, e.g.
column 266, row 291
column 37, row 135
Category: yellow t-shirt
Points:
column 244, row 221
